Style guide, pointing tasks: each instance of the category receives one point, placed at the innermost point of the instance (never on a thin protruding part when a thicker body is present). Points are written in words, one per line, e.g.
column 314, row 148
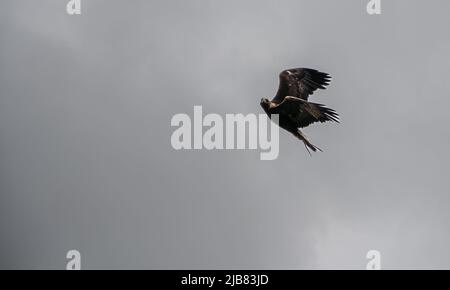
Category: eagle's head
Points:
column 265, row 104
column 264, row 101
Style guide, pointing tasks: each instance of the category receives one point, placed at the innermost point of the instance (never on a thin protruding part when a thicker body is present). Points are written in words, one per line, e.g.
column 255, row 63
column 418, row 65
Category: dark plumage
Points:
column 291, row 102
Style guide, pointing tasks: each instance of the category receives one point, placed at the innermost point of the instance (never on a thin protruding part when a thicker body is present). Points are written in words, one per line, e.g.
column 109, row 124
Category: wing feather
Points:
column 300, row 83
column 303, row 113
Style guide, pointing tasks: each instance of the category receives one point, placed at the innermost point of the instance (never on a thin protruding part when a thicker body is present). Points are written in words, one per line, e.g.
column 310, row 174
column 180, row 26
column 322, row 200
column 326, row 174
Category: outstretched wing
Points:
column 303, row 113
column 300, row 83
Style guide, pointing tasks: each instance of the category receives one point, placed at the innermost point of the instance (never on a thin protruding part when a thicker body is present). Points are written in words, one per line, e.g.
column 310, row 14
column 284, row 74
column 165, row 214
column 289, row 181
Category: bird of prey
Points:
column 291, row 102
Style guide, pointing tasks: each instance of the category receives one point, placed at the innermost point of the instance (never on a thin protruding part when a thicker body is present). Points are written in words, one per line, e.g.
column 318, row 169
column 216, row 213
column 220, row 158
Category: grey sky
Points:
column 85, row 155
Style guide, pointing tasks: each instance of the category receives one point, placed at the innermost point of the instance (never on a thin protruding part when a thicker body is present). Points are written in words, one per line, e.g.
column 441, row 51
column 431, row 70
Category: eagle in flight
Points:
column 291, row 102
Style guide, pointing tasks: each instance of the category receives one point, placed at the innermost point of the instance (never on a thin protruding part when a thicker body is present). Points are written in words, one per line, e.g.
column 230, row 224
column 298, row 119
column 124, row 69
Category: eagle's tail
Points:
column 308, row 144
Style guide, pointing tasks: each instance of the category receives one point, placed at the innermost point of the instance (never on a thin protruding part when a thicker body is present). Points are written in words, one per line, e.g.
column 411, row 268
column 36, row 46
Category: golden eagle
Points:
column 291, row 102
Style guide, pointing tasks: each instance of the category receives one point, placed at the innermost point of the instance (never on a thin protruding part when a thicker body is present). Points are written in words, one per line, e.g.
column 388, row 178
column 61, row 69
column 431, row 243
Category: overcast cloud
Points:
column 85, row 155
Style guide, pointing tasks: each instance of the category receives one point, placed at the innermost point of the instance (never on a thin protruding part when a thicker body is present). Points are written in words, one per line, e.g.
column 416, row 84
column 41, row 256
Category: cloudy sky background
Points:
column 85, row 155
